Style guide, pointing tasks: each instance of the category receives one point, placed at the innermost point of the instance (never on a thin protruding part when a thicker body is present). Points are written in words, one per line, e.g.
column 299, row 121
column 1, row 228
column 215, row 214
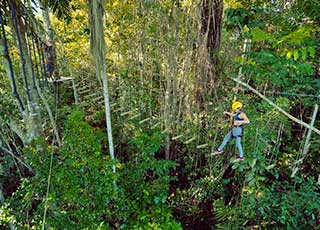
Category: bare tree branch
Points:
column 308, row 126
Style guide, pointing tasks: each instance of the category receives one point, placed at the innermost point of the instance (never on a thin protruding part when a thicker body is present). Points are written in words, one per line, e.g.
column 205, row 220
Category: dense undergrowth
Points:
column 165, row 94
column 148, row 192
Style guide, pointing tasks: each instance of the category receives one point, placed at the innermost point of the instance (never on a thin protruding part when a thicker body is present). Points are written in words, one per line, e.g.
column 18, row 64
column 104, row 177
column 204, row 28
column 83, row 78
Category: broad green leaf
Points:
column 295, row 55
column 304, row 54
column 289, row 54
column 312, row 51
column 283, row 53
column 297, row 37
column 251, row 62
column 245, row 28
column 260, row 35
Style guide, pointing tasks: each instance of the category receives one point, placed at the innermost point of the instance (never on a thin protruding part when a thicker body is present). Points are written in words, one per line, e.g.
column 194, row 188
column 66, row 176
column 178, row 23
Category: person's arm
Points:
column 228, row 113
column 245, row 120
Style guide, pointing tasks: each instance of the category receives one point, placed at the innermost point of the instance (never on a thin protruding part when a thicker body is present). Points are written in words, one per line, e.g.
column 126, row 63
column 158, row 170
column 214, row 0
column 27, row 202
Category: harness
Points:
column 237, row 118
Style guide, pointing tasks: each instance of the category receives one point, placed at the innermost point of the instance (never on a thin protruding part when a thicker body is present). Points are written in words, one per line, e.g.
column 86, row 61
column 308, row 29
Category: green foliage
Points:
column 85, row 193
column 281, row 205
column 259, row 35
column 82, row 182
column 145, row 202
column 6, row 216
column 236, row 17
column 154, row 46
column 310, row 8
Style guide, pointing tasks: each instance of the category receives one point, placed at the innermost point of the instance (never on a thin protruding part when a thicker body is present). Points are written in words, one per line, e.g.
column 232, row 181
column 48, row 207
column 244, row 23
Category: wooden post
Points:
column 75, row 95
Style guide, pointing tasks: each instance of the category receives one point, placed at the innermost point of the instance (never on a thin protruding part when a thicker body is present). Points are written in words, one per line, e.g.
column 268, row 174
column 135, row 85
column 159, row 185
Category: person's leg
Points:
column 50, row 69
column 239, row 146
column 225, row 141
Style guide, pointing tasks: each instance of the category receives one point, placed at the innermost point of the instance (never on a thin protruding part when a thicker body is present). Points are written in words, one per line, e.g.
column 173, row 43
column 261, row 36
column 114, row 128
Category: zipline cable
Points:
column 48, row 189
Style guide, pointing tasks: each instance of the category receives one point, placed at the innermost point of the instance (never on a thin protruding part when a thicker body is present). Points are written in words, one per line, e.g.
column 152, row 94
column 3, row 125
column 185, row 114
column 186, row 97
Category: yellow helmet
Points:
column 235, row 105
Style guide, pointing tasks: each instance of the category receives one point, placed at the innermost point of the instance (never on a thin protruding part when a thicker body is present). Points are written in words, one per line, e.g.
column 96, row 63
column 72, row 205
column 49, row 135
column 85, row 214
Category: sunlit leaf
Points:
column 312, row 51
column 295, row 55
column 260, row 35
column 304, row 53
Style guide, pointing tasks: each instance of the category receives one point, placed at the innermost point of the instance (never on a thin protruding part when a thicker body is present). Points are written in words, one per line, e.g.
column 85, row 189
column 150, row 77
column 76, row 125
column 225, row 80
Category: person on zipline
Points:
column 238, row 118
column 50, row 58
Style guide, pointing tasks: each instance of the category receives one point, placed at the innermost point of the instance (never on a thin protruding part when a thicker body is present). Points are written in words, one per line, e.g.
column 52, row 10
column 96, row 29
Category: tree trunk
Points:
column 98, row 50
column 243, row 57
column 8, row 65
column 167, row 121
column 46, row 21
column 211, row 22
column 211, row 25
column 30, row 117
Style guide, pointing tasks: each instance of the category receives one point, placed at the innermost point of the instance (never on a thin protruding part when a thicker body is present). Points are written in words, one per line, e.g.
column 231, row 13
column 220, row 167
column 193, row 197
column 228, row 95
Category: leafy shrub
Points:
column 145, row 183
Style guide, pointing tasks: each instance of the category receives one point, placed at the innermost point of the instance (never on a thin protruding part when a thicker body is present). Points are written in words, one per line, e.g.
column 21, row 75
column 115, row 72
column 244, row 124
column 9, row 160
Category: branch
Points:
column 277, row 107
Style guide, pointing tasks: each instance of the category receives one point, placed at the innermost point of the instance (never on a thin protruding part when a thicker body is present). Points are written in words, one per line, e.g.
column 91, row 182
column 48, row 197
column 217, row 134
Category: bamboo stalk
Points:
column 307, row 145
column 243, row 56
column 10, row 67
column 22, row 57
column 307, row 142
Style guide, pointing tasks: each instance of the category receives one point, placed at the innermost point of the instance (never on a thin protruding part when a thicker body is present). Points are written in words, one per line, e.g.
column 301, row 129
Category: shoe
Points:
column 217, row 152
column 239, row 159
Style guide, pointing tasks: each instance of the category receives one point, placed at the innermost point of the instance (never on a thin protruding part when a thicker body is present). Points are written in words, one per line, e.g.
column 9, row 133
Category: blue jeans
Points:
column 236, row 132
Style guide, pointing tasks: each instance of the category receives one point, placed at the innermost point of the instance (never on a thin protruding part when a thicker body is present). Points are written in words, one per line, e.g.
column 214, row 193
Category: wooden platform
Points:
column 61, row 79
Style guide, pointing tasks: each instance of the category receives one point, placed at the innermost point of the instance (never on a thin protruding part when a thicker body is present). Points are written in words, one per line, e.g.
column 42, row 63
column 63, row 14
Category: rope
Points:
column 47, row 192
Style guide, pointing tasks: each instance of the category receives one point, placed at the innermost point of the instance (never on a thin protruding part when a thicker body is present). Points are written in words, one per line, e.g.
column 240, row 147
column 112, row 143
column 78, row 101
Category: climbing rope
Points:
column 48, row 188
